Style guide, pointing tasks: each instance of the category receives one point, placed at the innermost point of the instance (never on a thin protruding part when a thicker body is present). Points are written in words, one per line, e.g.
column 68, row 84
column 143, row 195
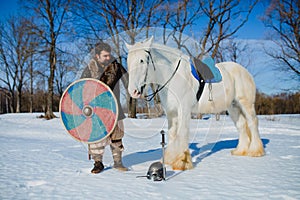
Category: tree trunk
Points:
column 18, row 103
column 132, row 108
column 31, row 87
column 52, row 60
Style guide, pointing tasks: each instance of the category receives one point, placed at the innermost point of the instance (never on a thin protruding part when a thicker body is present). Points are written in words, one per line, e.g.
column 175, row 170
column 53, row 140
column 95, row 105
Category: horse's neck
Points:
column 169, row 58
column 165, row 65
column 167, row 55
column 174, row 63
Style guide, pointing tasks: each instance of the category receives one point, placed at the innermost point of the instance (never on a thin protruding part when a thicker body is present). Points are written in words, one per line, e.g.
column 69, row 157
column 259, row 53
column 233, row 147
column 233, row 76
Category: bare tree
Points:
column 225, row 18
column 116, row 17
column 235, row 50
column 65, row 71
column 9, row 76
column 14, row 54
column 180, row 16
column 33, row 57
column 283, row 19
column 49, row 24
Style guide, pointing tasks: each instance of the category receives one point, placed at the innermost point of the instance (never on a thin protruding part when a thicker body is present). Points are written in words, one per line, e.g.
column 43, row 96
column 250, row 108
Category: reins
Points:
column 164, row 85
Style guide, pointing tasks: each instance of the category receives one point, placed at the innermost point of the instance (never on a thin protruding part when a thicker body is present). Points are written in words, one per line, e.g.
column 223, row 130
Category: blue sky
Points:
column 253, row 29
column 7, row 7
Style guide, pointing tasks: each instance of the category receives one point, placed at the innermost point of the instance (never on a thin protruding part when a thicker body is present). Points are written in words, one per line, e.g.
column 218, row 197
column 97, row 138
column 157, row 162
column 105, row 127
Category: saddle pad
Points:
column 206, row 69
column 215, row 71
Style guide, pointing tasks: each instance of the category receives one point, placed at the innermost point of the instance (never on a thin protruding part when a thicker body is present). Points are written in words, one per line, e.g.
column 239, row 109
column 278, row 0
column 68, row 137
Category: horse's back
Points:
column 244, row 84
column 234, row 69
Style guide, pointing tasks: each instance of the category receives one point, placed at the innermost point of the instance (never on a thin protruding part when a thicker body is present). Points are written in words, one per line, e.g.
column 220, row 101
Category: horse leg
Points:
column 183, row 160
column 172, row 135
column 256, row 148
column 242, row 127
column 177, row 153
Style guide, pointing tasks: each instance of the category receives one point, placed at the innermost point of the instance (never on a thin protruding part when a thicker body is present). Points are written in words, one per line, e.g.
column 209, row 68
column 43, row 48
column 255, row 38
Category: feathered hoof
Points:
column 183, row 162
column 238, row 152
column 258, row 152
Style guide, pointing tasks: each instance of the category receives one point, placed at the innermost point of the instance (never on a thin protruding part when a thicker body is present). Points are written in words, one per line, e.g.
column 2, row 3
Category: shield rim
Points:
column 116, row 103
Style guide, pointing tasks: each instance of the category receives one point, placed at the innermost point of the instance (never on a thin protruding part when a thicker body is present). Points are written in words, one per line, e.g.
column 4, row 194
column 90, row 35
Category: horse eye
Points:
column 141, row 61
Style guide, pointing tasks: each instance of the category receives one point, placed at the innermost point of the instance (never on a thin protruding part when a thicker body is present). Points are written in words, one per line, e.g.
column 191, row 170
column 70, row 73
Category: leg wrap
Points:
column 116, row 149
column 96, row 150
column 116, row 145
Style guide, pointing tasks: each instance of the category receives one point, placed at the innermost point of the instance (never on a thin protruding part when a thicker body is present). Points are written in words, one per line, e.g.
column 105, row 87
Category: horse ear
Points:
column 149, row 41
column 128, row 46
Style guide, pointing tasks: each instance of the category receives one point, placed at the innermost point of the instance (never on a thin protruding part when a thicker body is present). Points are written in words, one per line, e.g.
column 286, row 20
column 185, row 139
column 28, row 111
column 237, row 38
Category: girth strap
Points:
column 201, row 86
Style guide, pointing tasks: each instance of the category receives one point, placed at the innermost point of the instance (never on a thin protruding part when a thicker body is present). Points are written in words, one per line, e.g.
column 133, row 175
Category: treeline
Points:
column 36, row 102
column 283, row 103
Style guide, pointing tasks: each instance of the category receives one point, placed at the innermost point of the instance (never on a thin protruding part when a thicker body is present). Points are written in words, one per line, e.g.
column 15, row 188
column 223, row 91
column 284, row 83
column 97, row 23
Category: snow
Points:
column 39, row 160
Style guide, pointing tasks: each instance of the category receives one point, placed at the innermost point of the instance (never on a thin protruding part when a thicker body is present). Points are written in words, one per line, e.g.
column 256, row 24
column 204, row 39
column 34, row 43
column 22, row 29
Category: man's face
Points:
column 104, row 57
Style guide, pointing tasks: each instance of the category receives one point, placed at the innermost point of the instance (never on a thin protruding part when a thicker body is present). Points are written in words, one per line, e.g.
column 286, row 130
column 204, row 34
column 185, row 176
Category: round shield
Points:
column 88, row 110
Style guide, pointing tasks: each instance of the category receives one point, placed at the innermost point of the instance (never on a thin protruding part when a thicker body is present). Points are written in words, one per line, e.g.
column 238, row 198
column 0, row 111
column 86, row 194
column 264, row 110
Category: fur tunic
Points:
column 110, row 75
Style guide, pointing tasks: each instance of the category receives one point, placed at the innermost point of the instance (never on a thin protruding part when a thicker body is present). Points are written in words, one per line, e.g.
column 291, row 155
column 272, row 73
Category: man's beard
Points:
column 105, row 63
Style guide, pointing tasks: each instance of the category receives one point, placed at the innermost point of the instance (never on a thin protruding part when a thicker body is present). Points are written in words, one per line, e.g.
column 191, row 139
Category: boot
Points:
column 118, row 163
column 117, row 156
column 98, row 167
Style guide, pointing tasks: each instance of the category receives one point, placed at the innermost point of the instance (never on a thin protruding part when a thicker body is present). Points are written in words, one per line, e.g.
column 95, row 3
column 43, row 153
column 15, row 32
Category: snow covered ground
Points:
column 39, row 160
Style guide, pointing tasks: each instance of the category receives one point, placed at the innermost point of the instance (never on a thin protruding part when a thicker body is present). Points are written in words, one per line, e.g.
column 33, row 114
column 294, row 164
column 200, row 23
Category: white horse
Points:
column 170, row 70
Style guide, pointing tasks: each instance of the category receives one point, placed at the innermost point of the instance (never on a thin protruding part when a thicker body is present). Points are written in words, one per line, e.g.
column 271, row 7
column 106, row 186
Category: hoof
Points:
column 183, row 162
column 257, row 152
column 237, row 152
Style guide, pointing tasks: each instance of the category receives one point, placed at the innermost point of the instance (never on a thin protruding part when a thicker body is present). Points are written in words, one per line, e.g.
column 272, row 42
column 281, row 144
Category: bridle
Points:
column 159, row 88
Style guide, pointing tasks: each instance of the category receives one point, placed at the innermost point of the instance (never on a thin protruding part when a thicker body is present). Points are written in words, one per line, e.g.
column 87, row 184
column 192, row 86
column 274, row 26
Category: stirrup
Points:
column 210, row 98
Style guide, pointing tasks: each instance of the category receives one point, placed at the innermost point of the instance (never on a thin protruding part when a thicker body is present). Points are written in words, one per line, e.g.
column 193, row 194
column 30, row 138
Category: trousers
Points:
column 96, row 150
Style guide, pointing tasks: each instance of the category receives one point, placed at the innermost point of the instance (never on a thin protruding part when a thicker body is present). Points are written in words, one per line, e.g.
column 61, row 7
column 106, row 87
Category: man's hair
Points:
column 101, row 46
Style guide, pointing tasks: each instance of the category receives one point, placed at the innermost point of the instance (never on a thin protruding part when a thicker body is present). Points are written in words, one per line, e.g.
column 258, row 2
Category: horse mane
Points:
column 174, row 51
column 142, row 46
column 161, row 47
column 167, row 48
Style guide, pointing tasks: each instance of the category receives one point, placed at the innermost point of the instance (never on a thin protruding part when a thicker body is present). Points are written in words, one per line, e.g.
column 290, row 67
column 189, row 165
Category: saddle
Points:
column 206, row 69
column 205, row 72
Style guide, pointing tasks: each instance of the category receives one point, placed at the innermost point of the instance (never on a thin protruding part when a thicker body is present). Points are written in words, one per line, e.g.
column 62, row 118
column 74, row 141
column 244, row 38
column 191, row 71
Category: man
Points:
column 106, row 69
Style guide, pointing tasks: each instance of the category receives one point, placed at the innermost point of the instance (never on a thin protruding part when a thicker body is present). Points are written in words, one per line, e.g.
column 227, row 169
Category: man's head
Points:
column 103, row 53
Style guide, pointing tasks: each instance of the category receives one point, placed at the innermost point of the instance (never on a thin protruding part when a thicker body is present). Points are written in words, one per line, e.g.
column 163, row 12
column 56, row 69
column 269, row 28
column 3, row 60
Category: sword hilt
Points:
column 162, row 132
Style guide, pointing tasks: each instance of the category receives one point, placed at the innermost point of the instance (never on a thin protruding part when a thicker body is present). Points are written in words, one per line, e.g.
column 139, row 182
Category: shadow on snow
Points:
column 198, row 152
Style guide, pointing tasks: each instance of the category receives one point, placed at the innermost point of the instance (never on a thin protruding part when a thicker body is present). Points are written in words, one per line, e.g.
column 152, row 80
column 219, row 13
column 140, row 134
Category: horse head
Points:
column 140, row 64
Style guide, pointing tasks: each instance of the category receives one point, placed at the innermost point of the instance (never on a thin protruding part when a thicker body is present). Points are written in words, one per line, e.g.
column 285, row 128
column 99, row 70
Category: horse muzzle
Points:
column 138, row 93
